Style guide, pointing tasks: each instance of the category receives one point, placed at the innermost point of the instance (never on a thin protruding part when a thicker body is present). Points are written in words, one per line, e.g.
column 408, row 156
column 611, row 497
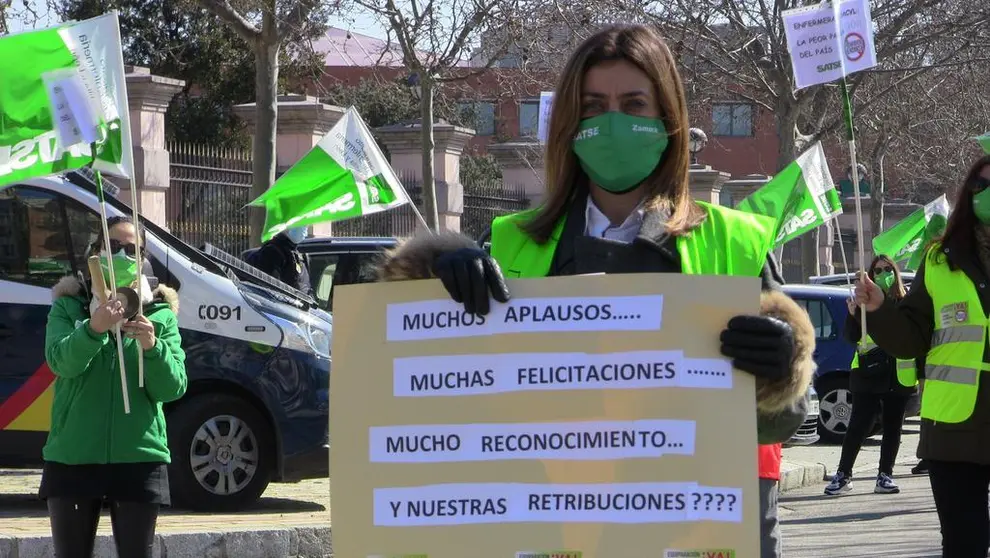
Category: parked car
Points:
column 826, row 305
column 336, row 261
column 257, row 350
column 844, row 279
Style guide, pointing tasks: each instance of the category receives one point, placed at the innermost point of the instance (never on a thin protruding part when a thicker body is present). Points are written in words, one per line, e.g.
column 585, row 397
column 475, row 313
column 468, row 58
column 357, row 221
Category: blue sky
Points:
column 362, row 23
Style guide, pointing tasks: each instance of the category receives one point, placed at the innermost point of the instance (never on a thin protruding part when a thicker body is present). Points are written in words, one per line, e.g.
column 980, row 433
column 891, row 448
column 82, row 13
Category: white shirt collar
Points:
column 598, row 225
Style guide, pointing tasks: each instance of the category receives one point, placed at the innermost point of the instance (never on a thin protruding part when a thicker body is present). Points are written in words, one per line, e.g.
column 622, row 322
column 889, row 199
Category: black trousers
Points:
column 74, row 523
column 866, row 406
column 960, row 492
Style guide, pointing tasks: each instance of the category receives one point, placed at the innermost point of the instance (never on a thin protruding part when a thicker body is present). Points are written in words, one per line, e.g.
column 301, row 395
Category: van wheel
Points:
column 222, row 453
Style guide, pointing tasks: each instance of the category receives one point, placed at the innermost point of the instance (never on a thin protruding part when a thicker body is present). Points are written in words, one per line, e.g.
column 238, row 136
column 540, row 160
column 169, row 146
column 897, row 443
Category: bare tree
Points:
column 444, row 42
column 267, row 26
column 740, row 48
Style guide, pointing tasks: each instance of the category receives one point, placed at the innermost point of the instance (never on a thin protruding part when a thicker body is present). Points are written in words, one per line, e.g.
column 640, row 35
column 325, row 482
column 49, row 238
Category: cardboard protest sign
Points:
column 589, row 417
column 829, row 40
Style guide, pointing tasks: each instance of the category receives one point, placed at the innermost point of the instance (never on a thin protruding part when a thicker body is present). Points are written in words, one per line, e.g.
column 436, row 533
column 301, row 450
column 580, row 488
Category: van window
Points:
column 34, row 241
column 84, row 227
column 321, row 269
column 821, row 319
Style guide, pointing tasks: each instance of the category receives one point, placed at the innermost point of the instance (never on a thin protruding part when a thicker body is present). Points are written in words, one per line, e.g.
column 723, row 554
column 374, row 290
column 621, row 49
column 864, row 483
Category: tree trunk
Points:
column 429, row 184
column 266, row 112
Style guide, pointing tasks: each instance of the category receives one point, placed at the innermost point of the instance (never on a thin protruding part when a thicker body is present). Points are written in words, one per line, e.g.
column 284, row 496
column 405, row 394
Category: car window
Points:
column 34, row 240
column 321, row 273
column 84, row 227
column 821, row 319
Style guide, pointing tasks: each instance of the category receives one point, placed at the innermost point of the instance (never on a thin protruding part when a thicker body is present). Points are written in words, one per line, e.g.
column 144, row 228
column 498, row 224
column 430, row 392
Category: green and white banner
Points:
column 801, row 197
column 346, row 175
column 906, row 241
column 36, row 67
column 984, row 141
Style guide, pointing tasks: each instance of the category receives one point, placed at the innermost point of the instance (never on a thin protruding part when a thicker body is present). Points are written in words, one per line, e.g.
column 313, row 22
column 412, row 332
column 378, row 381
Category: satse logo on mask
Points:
column 585, row 134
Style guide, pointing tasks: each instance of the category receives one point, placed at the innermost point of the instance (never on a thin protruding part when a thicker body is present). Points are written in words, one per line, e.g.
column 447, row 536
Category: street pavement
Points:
column 861, row 523
column 290, row 520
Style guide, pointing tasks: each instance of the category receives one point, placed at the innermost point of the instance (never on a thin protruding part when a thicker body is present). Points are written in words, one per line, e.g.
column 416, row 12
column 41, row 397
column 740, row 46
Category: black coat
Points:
column 880, row 381
column 279, row 258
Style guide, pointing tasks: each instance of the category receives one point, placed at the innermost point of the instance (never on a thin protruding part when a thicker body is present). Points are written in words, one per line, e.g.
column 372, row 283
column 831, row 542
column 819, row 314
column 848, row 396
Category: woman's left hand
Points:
column 760, row 345
column 142, row 329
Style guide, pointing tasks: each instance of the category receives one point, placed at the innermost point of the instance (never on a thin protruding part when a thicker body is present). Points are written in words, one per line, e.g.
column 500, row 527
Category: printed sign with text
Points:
column 589, row 417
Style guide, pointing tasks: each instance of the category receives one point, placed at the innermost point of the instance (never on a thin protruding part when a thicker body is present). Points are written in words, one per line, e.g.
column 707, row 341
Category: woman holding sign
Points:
column 96, row 451
column 618, row 202
column 944, row 320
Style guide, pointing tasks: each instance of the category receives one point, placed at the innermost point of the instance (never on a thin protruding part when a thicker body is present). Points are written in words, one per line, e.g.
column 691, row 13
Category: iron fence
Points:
column 486, row 200
column 209, row 189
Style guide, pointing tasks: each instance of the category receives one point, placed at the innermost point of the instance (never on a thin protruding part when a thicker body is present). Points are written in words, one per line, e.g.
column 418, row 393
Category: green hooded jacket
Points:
column 89, row 425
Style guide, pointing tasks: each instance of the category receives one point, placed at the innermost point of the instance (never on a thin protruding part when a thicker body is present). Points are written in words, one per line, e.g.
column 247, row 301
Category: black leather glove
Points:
column 471, row 277
column 760, row 345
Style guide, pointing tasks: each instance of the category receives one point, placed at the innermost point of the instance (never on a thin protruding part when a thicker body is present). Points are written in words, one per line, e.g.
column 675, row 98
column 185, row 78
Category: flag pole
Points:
column 138, row 254
column 113, row 283
column 847, row 110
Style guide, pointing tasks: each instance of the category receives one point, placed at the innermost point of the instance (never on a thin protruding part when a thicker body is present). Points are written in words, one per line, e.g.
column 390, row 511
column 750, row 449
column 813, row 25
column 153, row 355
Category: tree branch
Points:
column 237, row 22
column 297, row 19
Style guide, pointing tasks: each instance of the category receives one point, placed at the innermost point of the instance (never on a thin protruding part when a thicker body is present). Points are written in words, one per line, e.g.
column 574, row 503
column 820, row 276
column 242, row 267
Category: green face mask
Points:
column 619, row 151
column 981, row 206
column 884, row 280
column 125, row 269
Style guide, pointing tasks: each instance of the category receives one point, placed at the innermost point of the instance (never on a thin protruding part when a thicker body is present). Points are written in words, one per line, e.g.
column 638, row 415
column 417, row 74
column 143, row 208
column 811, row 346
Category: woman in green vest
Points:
column 881, row 386
column 617, row 201
column 944, row 319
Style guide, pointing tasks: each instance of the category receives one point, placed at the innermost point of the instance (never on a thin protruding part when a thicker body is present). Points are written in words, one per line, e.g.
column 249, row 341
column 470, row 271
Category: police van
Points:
column 257, row 350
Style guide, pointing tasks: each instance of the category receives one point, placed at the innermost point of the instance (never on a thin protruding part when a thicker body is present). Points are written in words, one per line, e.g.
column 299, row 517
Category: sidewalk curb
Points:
column 301, row 542
column 796, row 474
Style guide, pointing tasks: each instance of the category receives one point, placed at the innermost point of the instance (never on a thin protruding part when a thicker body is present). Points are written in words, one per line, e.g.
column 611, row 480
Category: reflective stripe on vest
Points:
column 728, row 242
column 954, row 361
column 907, row 371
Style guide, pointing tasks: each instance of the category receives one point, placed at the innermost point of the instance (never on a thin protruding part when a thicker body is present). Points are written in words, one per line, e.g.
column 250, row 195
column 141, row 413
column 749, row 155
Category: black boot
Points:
column 920, row 469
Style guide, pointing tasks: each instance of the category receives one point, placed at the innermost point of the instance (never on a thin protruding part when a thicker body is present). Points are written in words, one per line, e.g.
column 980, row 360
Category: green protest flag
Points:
column 906, row 241
column 37, row 68
column 344, row 176
column 984, row 142
column 801, row 197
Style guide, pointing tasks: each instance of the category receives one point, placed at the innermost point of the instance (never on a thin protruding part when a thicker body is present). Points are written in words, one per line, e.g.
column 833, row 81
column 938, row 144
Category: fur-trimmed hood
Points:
column 72, row 286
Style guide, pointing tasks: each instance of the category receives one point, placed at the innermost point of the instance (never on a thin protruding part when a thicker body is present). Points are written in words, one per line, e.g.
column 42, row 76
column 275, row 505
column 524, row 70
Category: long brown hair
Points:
column 960, row 231
column 668, row 184
column 897, row 291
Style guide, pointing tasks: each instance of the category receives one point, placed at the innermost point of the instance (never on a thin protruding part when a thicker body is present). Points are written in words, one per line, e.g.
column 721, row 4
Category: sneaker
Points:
column 840, row 484
column 920, row 469
column 885, row 485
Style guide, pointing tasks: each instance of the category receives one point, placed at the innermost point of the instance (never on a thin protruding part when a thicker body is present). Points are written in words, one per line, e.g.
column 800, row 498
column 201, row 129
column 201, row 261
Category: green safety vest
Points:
column 728, row 242
column 955, row 358
column 907, row 371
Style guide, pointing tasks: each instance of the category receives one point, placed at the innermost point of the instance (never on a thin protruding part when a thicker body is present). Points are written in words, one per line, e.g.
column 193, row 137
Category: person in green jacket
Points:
column 95, row 451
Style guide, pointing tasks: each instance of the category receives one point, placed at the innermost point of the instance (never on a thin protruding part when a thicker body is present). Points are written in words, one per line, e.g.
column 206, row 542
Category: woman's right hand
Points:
column 472, row 278
column 867, row 293
column 106, row 316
